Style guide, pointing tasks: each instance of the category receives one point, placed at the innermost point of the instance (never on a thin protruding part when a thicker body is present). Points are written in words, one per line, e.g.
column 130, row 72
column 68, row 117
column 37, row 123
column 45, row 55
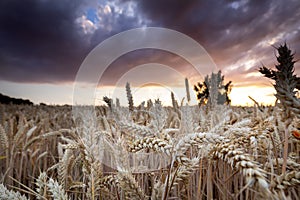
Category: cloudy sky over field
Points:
column 44, row 42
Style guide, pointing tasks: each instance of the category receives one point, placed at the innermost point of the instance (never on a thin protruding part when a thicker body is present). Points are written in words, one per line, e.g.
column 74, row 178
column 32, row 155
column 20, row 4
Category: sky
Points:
column 43, row 43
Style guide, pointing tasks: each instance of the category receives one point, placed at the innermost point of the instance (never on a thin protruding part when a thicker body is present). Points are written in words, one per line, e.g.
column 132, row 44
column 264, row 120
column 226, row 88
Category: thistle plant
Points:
column 285, row 84
column 213, row 91
column 285, row 81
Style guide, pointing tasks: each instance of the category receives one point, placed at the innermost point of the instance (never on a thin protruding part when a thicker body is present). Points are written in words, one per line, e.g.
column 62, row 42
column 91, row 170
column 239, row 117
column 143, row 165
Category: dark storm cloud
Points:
column 206, row 20
column 42, row 41
column 39, row 40
column 233, row 32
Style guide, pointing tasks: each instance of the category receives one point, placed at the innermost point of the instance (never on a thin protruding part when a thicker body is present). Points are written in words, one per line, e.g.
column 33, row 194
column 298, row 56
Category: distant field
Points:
column 211, row 153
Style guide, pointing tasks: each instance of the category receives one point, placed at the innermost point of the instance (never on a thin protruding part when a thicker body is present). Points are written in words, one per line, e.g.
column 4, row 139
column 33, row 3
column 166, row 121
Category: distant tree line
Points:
column 9, row 100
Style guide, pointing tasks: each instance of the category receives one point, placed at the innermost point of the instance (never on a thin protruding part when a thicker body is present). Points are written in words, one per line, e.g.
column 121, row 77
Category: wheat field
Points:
column 223, row 152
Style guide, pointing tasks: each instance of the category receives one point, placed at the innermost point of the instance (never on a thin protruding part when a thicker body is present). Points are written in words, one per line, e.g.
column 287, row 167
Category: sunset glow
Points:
column 238, row 95
column 44, row 46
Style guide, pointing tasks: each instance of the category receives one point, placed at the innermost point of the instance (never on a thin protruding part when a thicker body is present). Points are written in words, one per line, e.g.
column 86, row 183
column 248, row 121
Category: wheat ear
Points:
column 155, row 144
column 135, row 130
column 3, row 137
column 287, row 180
column 130, row 186
column 192, row 139
column 184, row 172
column 6, row 194
column 238, row 159
column 56, row 190
column 41, row 182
